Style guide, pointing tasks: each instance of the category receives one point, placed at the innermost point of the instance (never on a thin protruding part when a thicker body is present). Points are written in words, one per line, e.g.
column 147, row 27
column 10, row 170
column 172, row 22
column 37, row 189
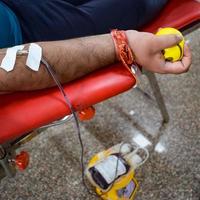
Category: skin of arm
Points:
column 75, row 58
column 70, row 59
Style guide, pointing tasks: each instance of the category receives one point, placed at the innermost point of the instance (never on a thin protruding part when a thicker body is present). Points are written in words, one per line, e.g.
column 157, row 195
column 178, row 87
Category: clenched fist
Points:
column 148, row 48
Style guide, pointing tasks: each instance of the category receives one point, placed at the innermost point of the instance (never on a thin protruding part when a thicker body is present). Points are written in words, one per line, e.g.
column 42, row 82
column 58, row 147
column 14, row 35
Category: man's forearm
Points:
column 74, row 58
column 70, row 59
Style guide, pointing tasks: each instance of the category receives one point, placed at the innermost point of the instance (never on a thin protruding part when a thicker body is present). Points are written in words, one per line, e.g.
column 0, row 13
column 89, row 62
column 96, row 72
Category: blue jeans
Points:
column 43, row 20
column 10, row 32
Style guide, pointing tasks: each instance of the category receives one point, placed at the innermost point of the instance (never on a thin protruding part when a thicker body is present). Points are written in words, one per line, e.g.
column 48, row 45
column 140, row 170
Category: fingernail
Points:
column 187, row 41
column 180, row 37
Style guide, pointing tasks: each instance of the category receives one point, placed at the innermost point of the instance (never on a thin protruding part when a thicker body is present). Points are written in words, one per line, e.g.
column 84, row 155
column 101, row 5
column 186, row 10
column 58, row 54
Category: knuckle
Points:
column 186, row 70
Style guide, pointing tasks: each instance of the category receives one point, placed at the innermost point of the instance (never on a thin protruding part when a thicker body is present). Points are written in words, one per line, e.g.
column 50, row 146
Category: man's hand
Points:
column 148, row 48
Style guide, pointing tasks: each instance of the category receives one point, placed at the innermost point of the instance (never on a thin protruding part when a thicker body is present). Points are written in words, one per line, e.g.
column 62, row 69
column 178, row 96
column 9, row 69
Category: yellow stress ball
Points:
column 174, row 53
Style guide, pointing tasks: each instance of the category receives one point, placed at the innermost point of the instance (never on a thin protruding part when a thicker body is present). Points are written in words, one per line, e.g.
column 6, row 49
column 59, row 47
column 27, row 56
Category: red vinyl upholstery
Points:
column 23, row 112
column 177, row 14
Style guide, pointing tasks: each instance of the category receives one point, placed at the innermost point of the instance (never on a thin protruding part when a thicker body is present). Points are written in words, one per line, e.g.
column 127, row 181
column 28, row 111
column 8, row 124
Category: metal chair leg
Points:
column 157, row 93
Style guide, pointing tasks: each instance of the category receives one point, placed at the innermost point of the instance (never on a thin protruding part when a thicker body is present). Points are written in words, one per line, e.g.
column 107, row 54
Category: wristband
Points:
column 123, row 51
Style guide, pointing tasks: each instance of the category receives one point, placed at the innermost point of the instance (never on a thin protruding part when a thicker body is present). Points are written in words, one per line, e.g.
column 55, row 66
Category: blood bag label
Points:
column 127, row 191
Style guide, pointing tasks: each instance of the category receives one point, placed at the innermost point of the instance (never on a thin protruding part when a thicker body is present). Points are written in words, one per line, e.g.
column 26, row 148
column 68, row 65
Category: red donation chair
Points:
column 23, row 112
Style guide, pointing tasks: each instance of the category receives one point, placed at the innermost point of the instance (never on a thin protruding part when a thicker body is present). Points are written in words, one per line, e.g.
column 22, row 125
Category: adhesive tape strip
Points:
column 8, row 62
column 34, row 57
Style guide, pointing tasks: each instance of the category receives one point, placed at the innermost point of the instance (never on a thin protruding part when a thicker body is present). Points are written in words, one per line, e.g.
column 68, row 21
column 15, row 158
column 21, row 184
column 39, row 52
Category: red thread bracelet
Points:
column 123, row 51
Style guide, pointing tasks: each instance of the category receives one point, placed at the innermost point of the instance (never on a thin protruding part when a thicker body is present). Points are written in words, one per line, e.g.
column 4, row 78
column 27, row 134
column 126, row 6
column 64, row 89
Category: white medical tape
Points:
column 8, row 62
column 34, row 57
